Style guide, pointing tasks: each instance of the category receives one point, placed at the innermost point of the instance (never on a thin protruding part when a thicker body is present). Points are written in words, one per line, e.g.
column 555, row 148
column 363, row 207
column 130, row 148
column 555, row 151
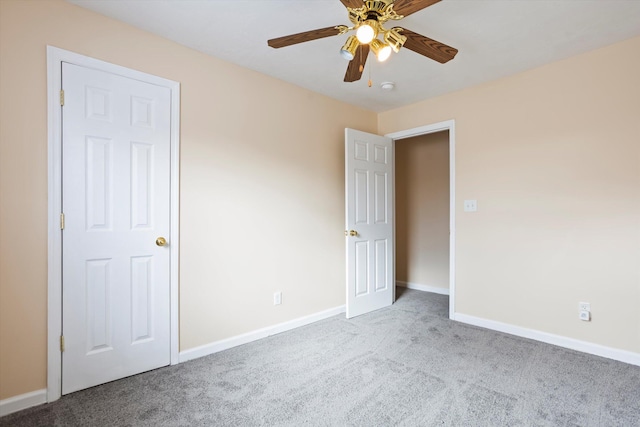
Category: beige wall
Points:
column 422, row 210
column 553, row 157
column 262, row 184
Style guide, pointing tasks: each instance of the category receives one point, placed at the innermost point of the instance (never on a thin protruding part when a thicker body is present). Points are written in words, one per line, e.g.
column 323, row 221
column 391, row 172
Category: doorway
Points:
column 434, row 238
column 422, row 214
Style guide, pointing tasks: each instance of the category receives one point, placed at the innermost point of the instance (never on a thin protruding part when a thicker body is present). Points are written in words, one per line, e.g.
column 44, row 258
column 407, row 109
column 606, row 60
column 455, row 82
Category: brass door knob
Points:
column 161, row 241
column 351, row 233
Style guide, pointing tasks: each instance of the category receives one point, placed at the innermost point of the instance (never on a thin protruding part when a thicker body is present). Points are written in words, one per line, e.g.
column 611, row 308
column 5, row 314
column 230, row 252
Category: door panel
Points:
column 99, row 172
column 98, row 291
column 381, row 201
column 142, row 316
column 381, row 265
column 361, row 196
column 362, row 268
column 369, row 198
column 116, row 199
column 141, row 185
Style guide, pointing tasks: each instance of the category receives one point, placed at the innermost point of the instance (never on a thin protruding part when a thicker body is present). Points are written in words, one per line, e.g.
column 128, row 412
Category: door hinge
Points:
column 61, row 221
column 62, row 343
column 61, row 97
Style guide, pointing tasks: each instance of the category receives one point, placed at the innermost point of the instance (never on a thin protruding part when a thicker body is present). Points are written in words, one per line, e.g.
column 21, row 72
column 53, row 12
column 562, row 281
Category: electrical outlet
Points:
column 585, row 315
column 584, row 306
column 470, row 205
column 277, row 298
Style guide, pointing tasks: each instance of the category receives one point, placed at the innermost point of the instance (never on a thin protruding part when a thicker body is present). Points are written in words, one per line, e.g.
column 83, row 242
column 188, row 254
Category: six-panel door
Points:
column 115, row 179
column 369, row 204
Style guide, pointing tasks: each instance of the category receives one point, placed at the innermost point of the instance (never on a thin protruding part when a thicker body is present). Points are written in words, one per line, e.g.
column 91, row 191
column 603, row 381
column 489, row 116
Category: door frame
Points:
column 449, row 125
column 55, row 57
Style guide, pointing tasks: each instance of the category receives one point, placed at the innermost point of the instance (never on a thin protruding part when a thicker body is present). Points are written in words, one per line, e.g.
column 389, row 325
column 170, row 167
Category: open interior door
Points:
column 369, row 222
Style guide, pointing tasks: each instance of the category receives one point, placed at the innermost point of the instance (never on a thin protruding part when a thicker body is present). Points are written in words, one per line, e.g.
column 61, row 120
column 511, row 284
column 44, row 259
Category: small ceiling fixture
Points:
column 368, row 18
column 387, row 85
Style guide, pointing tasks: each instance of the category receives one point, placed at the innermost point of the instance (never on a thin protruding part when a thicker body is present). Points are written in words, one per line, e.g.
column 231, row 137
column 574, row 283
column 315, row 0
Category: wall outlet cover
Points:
column 470, row 205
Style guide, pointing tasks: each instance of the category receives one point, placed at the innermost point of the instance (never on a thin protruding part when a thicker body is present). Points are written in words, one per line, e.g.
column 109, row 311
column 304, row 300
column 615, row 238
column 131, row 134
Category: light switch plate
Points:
column 470, row 205
column 584, row 306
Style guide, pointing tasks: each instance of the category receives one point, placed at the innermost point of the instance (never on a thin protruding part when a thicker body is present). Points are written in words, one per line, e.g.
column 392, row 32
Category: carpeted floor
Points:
column 405, row 365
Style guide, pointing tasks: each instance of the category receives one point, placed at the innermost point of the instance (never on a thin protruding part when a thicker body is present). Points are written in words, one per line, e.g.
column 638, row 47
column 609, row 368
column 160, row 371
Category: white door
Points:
column 115, row 184
column 369, row 222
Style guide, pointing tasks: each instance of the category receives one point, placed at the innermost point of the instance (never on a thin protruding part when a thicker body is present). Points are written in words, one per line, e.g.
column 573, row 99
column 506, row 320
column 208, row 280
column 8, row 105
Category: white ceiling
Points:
column 495, row 38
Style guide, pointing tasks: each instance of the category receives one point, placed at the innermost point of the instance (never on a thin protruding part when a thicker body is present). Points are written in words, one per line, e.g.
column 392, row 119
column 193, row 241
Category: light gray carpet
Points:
column 406, row 365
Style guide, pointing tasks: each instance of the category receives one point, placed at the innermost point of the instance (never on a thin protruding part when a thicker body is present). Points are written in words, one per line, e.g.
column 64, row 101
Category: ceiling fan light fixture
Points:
column 381, row 50
column 394, row 39
column 368, row 19
column 367, row 31
column 348, row 51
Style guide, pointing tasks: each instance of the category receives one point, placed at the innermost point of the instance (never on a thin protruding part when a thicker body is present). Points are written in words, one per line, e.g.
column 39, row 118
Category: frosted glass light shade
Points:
column 366, row 33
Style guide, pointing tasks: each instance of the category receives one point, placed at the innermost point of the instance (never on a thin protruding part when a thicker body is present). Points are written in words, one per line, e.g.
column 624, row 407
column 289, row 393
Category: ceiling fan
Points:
column 368, row 18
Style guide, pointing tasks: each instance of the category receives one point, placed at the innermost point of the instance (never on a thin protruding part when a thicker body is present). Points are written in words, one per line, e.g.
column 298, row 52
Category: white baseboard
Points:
column 573, row 344
column 228, row 343
column 23, row 401
column 423, row 288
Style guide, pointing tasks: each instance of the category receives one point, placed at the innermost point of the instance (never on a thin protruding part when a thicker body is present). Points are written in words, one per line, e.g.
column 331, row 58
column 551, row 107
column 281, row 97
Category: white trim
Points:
column 174, row 226
column 423, row 288
column 571, row 343
column 22, row 401
column 54, row 252
column 217, row 346
column 449, row 125
column 55, row 57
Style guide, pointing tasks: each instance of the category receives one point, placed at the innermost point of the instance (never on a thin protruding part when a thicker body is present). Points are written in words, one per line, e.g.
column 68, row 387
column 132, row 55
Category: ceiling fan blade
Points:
column 303, row 37
column 353, row 4
column 356, row 65
column 407, row 7
column 428, row 47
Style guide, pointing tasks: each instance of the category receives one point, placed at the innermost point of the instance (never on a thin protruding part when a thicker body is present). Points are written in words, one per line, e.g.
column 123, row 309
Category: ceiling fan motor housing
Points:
column 377, row 6
column 379, row 11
